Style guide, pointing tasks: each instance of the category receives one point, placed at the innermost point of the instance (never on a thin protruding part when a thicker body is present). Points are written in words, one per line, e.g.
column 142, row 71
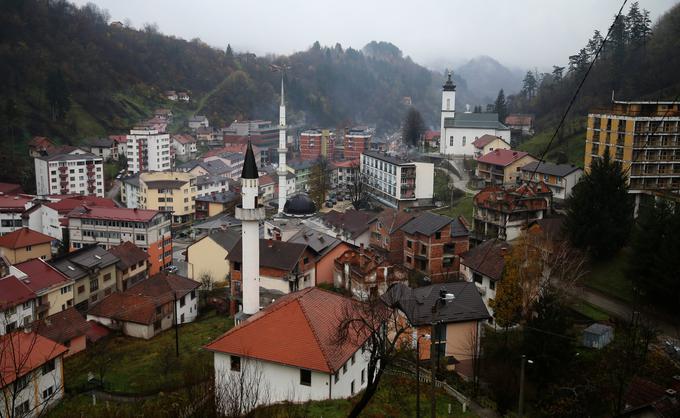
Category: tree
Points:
column 229, row 53
column 529, row 85
column 320, row 181
column 600, row 210
column 358, row 188
column 412, row 128
column 656, row 245
column 241, row 389
column 500, row 106
column 58, row 95
column 594, row 44
column 557, row 73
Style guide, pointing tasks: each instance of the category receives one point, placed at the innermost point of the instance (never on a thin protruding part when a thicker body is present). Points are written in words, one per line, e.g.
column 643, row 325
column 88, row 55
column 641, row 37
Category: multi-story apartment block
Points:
column 148, row 150
column 397, row 182
column 387, row 236
column 356, row 141
column 317, row 143
column 69, row 170
column 147, row 229
column 344, row 173
column 303, row 172
column 263, row 134
column 170, row 191
column 644, row 137
column 11, row 211
column 502, row 212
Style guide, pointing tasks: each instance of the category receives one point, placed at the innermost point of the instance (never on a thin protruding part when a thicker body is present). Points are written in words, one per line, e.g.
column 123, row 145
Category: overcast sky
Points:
column 519, row 33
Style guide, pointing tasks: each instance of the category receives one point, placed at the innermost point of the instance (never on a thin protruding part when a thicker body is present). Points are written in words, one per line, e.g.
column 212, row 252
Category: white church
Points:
column 460, row 129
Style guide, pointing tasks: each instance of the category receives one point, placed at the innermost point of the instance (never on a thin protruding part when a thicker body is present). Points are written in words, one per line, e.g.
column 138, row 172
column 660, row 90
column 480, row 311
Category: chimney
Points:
column 671, row 393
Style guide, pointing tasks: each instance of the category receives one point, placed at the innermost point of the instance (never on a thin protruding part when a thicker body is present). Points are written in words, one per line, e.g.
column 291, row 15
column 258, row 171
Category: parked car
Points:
column 171, row 269
column 328, row 204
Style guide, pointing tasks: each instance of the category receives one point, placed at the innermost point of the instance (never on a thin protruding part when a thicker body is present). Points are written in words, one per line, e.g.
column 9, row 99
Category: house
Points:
column 11, row 209
column 25, row 244
column 431, row 139
column 459, row 322
column 184, row 145
column 547, row 234
column 53, row 290
column 201, row 255
column 172, row 192
column 351, row 226
column 502, row 166
column 344, row 174
column 214, row 204
column 16, row 306
column 132, row 266
column 198, row 121
column 502, row 212
column 171, row 95
column 69, row 170
column 39, row 145
column 102, row 147
column 365, row 273
column 520, row 124
column 267, row 188
column 149, row 307
column 560, row 178
column 285, row 267
column 120, row 142
column 433, row 244
column 484, row 266
column 302, row 169
column 325, row 248
column 183, row 96
column 93, row 272
column 487, row 143
column 163, row 113
column 69, row 328
column 31, row 372
column 291, row 344
column 387, row 236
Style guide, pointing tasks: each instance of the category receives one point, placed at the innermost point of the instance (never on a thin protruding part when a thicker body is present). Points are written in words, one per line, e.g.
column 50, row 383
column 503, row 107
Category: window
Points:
column 193, row 294
column 157, row 325
column 305, row 377
column 352, row 387
column 477, row 278
column 10, row 327
column 305, row 260
column 409, row 260
column 451, row 141
column 81, row 289
column 158, row 310
column 94, row 284
column 23, row 381
column 437, row 235
column 28, row 248
column 107, row 277
column 26, row 305
column 492, row 285
column 48, row 367
column 363, row 376
column 463, row 141
column 235, row 363
column 237, row 266
column 22, row 409
column 344, row 368
column 181, row 319
column 93, row 298
column 336, row 377
column 409, row 244
column 182, row 301
column 353, row 359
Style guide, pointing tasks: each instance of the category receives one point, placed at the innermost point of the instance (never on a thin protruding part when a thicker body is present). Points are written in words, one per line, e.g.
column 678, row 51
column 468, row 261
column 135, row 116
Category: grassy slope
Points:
column 609, row 277
column 462, row 206
column 573, row 146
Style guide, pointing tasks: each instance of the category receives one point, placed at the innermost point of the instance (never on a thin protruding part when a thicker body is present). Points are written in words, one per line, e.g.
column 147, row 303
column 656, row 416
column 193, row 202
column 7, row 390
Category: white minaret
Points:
column 283, row 170
column 448, row 110
column 250, row 213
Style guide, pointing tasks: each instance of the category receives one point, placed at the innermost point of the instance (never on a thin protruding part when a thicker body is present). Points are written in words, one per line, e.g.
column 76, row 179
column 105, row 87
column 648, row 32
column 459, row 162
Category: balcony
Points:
column 42, row 308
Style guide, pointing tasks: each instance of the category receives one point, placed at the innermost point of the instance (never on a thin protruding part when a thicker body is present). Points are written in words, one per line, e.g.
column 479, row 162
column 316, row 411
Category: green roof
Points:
column 474, row 120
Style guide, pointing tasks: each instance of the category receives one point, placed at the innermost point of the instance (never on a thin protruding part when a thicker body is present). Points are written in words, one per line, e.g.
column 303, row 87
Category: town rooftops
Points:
column 24, row 352
column 274, row 254
column 41, row 142
column 488, row 258
column 426, row 223
column 138, row 303
column 557, row 170
column 68, row 153
column 320, row 242
column 484, row 140
column 115, row 214
column 351, row 222
column 184, row 139
column 525, row 197
column 346, row 164
column 392, row 159
column 301, row 164
column 474, row 120
column 69, row 202
column 502, row 157
column 429, row 135
column 417, row 303
column 13, row 292
column 63, row 326
column 392, row 219
column 41, row 276
column 460, row 227
column 517, row 120
column 297, row 330
column 165, row 184
column 129, row 255
column 13, row 203
column 23, row 238
column 221, row 197
column 81, row 262
column 219, row 221
column 226, row 239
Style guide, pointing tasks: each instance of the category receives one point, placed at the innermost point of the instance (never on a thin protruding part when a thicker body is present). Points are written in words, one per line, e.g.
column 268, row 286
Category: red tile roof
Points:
column 13, row 292
column 297, row 330
column 184, row 139
column 230, row 148
column 41, row 276
column 502, row 157
column 23, row 352
column 121, row 139
column 13, row 203
column 10, row 188
column 346, row 163
column 116, row 214
column 69, row 202
column 266, row 179
column 40, row 142
column 96, row 331
column 430, row 135
column 129, row 254
column 22, row 238
column 483, row 140
column 519, row 120
column 525, row 197
column 63, row 326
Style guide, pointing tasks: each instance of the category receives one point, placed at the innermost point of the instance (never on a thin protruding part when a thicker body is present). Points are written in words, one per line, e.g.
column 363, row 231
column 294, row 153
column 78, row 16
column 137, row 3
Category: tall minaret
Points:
column 250, row 213
column 448, row 110
column 283, row 170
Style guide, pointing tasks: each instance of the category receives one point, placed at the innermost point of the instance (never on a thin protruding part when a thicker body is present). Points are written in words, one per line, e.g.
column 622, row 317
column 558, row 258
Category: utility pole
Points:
column 521, row 384
column 174, row 294
column 433, row 399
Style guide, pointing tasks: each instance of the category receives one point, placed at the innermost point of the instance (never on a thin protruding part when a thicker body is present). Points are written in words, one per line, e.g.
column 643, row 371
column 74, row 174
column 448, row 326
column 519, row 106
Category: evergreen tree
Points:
column 594, row 44
column 58, row 95
column 655, row 269
column 229, row 53
column 500, row 106
column 412, row 128
column 557, row 73
column 529, row 84
column 600, row 210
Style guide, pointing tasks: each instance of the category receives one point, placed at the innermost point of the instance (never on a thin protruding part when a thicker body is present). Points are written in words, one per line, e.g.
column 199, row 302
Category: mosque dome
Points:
column 299, row 205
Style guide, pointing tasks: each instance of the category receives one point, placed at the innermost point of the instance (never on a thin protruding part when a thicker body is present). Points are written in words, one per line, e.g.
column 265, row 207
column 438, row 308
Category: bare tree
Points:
column 378, row 328
column 358, row 188
column 320, row 181
column 238, row 392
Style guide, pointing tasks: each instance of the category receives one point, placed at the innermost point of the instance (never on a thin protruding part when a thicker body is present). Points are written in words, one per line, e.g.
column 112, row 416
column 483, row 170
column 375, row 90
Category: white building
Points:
column 11, row 210
column 460, row 130
column 69, row 170
column 560, row 178
column 290, row 349
column 148, row 150
column 35, row 378
column 44, row 219
column 397, row 182
column 198, row 121
column 184, row 145
column 16, row 308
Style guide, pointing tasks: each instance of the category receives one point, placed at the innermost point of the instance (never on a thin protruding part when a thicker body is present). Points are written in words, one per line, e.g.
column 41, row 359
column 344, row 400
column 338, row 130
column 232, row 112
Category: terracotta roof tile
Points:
column 63, row 326
column 40, row 275
column 129, row 255
column 22, row 238
column 502, row 157
column 13, row 292
column 24, row 352
column 118, row 214
column 483, row 140
column 488, row 258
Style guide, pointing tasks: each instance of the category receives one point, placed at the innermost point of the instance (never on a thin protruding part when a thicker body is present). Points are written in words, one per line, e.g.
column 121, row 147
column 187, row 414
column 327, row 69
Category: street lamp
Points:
column 426, row 336
column 521, row 383
column 443, row 298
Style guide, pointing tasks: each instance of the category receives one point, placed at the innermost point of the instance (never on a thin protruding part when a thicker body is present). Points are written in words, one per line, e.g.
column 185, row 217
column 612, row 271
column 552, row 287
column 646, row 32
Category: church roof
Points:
column 249, row 164
column 474, row 120
column 449, row 86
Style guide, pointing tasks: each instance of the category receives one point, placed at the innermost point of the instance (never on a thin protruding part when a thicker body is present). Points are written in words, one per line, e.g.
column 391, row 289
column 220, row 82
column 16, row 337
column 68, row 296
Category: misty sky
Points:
column 519, row 33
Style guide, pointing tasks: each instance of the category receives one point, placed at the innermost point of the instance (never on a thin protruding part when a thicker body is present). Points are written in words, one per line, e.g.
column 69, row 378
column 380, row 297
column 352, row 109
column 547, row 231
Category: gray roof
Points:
column 197, row 118
column 132, row 180
column 427, row 223
column 218, row 221
column 598, row 329
column 214, row 167
column 226, row 238
column 559, row 170
column 274, row 254
column 99, row 142
column 301, row 165
column 474, row 120
column 417, row 303
column 165, row 184
column 458, row 229
column 321, row 243
column 210, row 178
column 222, row 197
column 392, row 159
column 79, row 263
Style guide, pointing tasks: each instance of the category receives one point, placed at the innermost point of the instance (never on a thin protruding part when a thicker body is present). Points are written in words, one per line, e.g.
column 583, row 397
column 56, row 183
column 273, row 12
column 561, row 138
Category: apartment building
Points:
column 316, row 143
column 397, row 182
column 148, row 150
column 644, row 137
column 170, row 191
column 11, row 211
column 355, row 142
column 502, row 166
column 147, row 229
column 344, row 173
column 69, row 170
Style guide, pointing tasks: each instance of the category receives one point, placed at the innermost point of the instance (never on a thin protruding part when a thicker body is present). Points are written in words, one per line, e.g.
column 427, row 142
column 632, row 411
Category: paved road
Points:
column 178, row 259
column 114, row 192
